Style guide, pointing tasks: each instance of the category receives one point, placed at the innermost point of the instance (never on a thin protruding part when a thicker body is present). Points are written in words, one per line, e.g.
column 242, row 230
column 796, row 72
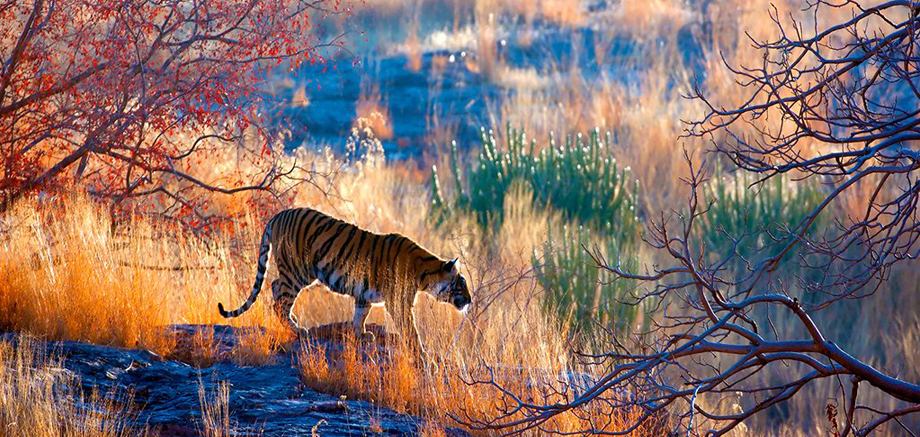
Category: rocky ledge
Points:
column 266, row 400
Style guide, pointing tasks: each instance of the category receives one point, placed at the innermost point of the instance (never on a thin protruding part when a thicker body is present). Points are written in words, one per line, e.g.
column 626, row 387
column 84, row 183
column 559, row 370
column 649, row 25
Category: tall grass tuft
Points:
column 65, row 275
column 215, row 410
column 580, row 292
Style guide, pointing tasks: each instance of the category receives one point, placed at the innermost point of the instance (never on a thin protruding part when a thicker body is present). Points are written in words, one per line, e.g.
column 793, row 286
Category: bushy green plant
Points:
column 759, row 215
column 577, row 289
column 578, row 178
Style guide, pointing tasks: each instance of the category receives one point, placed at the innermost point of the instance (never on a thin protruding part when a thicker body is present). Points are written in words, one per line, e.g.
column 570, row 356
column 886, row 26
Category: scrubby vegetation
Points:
column 581, row 182
column 536, row 285
column 579, row 292
column 66, row 275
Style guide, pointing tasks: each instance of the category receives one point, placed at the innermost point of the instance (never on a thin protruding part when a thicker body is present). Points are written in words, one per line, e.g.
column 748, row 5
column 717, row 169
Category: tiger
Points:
column 311, row 247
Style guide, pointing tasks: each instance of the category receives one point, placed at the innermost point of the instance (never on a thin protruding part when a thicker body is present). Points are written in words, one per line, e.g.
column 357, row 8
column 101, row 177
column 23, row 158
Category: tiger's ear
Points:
column 450, row 265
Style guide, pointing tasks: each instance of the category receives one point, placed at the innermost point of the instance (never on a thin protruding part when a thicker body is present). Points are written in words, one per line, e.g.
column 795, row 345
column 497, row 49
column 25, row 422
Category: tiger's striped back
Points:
column 310, row 245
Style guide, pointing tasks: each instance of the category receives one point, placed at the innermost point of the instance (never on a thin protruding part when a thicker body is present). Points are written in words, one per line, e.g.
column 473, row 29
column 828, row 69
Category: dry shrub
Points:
column 645, row 20
column 567, row 13
column 487, row 60
column 299, row 98
column 202, row 352
column 432, row 429
column 557, row 102
column 413, row 45
column 351, row 373
column 650, row 130
column 37, row 399
column 372, row 113
column 257, row 346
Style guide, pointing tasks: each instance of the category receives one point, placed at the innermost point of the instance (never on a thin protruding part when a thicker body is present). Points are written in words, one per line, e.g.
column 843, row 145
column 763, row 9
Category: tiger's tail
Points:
column 265, row 248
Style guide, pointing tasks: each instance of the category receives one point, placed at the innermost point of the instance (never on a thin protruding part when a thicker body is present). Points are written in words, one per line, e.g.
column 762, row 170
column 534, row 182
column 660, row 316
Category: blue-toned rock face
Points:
column 264, row 400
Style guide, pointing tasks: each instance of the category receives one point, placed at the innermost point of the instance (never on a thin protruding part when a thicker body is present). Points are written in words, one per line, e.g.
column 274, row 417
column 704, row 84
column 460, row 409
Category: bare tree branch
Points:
column 840, row 106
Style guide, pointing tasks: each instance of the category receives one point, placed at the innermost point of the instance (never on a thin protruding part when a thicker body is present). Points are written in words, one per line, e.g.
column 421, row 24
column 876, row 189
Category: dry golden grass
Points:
column 215, row 410
column 431, row 429
column 33, row 402
column 50, row 285
column 442, row 393
column 652, row 18
column 58, row 259
column 138, row 292
column 66, row 276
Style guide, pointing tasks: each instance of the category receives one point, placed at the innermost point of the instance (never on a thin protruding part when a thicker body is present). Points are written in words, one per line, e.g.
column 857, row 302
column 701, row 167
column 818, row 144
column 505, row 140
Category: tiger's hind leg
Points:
column 284, row 297
column 362, row 311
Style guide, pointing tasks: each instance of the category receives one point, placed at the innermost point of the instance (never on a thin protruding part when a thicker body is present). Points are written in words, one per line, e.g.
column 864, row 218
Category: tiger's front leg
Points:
column 401, row 312
column 362, row 311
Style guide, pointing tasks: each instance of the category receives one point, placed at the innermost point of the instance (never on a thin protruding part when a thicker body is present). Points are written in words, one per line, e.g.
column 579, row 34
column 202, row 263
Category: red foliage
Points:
column 127, row 95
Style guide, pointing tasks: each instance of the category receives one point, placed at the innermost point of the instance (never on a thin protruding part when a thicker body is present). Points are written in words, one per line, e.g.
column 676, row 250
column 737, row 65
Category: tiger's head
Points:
column 447, row 284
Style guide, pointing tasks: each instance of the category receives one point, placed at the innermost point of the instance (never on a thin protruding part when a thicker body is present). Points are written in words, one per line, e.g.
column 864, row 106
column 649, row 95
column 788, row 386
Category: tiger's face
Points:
column 450, row 287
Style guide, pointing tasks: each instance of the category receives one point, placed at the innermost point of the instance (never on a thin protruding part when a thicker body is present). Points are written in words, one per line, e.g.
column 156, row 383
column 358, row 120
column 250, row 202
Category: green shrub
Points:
column 760, row 216
column 577, row 178
column 581, row 180
column 577, row 289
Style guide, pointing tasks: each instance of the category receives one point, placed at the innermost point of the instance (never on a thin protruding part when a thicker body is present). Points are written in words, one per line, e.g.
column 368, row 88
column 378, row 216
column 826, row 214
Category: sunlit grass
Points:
column 448, row 391
column 65, row 275
column 215, row 410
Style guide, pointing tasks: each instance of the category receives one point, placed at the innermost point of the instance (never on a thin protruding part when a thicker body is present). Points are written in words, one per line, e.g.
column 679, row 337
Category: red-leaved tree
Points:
column 129, row 97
